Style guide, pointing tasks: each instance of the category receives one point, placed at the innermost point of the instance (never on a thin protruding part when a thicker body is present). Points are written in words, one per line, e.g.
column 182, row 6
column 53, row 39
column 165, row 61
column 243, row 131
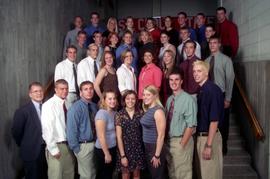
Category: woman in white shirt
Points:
column 125, row 73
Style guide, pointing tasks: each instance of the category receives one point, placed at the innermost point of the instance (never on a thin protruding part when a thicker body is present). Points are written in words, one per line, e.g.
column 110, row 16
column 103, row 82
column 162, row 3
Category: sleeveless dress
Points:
column 109, row 83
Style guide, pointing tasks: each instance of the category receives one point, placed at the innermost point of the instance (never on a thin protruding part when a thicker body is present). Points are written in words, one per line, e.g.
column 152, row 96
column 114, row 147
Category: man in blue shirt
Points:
column 81, row 130
column 210, row 114
column 200, row 30
column 94, row 26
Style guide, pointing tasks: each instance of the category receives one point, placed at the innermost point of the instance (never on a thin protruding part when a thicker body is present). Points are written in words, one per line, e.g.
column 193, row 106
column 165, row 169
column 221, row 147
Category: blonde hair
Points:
column 203, row 64
column 102, row 104
column 172, row 54
column 155, row 91
column 124, row 53
column 150, row 39
column 116, row 25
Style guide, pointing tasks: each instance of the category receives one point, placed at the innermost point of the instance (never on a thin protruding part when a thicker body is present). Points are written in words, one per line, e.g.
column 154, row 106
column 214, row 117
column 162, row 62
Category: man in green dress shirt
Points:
column 181, row 112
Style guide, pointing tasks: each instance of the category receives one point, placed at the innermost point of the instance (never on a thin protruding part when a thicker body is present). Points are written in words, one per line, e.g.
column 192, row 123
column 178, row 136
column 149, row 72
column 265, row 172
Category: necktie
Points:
column 92, row 121
column 95, row 68
column 180, row 58
column 40, row 109
column 169, row 117
column 75, row 79
column 211, row 70
column 65, row 111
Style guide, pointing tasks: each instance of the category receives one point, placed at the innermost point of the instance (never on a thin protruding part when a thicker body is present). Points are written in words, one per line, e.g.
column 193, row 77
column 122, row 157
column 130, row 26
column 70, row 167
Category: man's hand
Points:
column 57, row 156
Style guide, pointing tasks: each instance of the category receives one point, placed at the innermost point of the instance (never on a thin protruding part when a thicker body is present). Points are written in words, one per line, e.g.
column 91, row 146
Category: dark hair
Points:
column 177, row 71
column 201, row 14
column 85, row 83
column 71, row 46
column 191, row 41
column 164, row 32
column 81, row 32
column 211, row 26
column 60, row 81
column 182, row 13
column 128, row 17
column 184, row 28
column 152, row 53
column 151, row 19
column 214, row 37
column 221, row 9
column 35, row 83
column 94, row 13
column 96, row 32
column 128, row 92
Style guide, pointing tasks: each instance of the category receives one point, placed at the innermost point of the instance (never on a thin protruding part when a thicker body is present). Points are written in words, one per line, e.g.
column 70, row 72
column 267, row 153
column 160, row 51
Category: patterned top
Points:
column 132, row 140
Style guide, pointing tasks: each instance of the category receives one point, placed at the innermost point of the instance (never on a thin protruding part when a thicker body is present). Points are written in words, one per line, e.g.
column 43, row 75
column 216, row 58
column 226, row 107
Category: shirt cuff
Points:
column 53, row 150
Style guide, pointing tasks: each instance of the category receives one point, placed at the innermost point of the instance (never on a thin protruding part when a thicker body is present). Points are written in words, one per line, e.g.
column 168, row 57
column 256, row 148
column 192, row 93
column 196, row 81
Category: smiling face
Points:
column 93, row 51
column 209, row 31
column 128, row 58
column 148, row 98
column 184, row 34
column 71, row 54
column 61, row 90
column 200, row 73
column 175, row 82
column 130, row 101
column 144, row 36
column 110, row 100
column 36, row 93
column 149, row 24
column 214, row 45
column 78, row 22
column 200, row 20
column 108, row 59
column 164, row 38
column 148, row 57
column 127, row 38
column 114, row 39
column 167, row 58
column 181, row 20
column 129, row 23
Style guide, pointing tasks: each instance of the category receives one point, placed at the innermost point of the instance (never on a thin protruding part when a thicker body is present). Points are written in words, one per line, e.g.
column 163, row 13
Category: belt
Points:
column 86, row 141
column 203, row 134
column 176, row 136
column 62, row 142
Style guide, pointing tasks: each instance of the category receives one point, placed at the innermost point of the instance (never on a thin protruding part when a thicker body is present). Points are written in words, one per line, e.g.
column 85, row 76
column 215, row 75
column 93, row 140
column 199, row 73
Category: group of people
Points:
column 157, row 100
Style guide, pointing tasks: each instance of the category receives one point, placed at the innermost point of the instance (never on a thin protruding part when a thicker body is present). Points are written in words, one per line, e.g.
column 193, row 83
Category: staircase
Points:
column 237, row 162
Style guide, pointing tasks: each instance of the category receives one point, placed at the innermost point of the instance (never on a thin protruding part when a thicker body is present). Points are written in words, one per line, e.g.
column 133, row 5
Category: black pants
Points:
column 104, row 170
column 156, row 173
column 36, row 169
column 224, row 130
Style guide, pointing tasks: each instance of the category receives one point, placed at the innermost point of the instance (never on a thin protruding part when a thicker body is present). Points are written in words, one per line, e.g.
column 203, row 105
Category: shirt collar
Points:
column 85, row 102
column 151, row 65
column 69, row 62
column 127, row 67
column 58, row 99
column 36, row 104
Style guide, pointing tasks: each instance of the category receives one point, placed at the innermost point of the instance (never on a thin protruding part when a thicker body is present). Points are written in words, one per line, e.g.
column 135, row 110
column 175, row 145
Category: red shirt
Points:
column 189, row 85
column 228, row 33
column 150, row 75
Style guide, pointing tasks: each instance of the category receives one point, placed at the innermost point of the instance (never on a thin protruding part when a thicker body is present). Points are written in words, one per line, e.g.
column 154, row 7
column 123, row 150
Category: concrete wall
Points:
column 142, row 8
column 253, row 67
column 31, row 34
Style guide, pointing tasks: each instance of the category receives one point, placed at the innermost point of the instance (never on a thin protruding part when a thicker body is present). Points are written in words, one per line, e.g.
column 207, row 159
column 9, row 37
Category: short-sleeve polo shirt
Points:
column 210, row 106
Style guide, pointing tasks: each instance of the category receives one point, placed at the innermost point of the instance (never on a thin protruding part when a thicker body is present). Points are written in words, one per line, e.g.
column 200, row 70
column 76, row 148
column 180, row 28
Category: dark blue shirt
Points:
column 201, row 34
column 78, row 124
column 90, row 29
column 210, row 106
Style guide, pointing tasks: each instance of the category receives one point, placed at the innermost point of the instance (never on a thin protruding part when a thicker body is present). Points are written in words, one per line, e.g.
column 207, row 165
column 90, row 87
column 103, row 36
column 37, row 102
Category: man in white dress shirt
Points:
column 89, row 67
column 181, row 54
column 67, row 70
column 59, row 157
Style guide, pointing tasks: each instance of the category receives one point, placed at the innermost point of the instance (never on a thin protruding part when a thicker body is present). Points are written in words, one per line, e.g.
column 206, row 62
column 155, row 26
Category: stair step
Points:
column 240, row 177
column 234, row 129
column 236, row 160
column 234, row 137
column 238, row 153
column 240, row 171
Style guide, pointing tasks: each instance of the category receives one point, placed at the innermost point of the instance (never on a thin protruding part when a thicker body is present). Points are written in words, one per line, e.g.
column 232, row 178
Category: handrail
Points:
column 48, row 87
column 257, row 129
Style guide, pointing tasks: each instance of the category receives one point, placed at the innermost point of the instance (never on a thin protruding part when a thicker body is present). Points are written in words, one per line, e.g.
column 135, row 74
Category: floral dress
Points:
column 132, row 141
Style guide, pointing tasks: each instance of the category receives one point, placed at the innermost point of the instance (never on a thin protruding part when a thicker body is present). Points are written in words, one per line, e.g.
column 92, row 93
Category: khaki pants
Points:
column 62, row 168
column 86, row 166
column 180, row 159
column 210, row 169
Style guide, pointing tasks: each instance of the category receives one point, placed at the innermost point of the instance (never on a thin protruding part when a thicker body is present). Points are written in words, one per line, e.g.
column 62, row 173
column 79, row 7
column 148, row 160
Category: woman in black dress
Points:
column 130, row 158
